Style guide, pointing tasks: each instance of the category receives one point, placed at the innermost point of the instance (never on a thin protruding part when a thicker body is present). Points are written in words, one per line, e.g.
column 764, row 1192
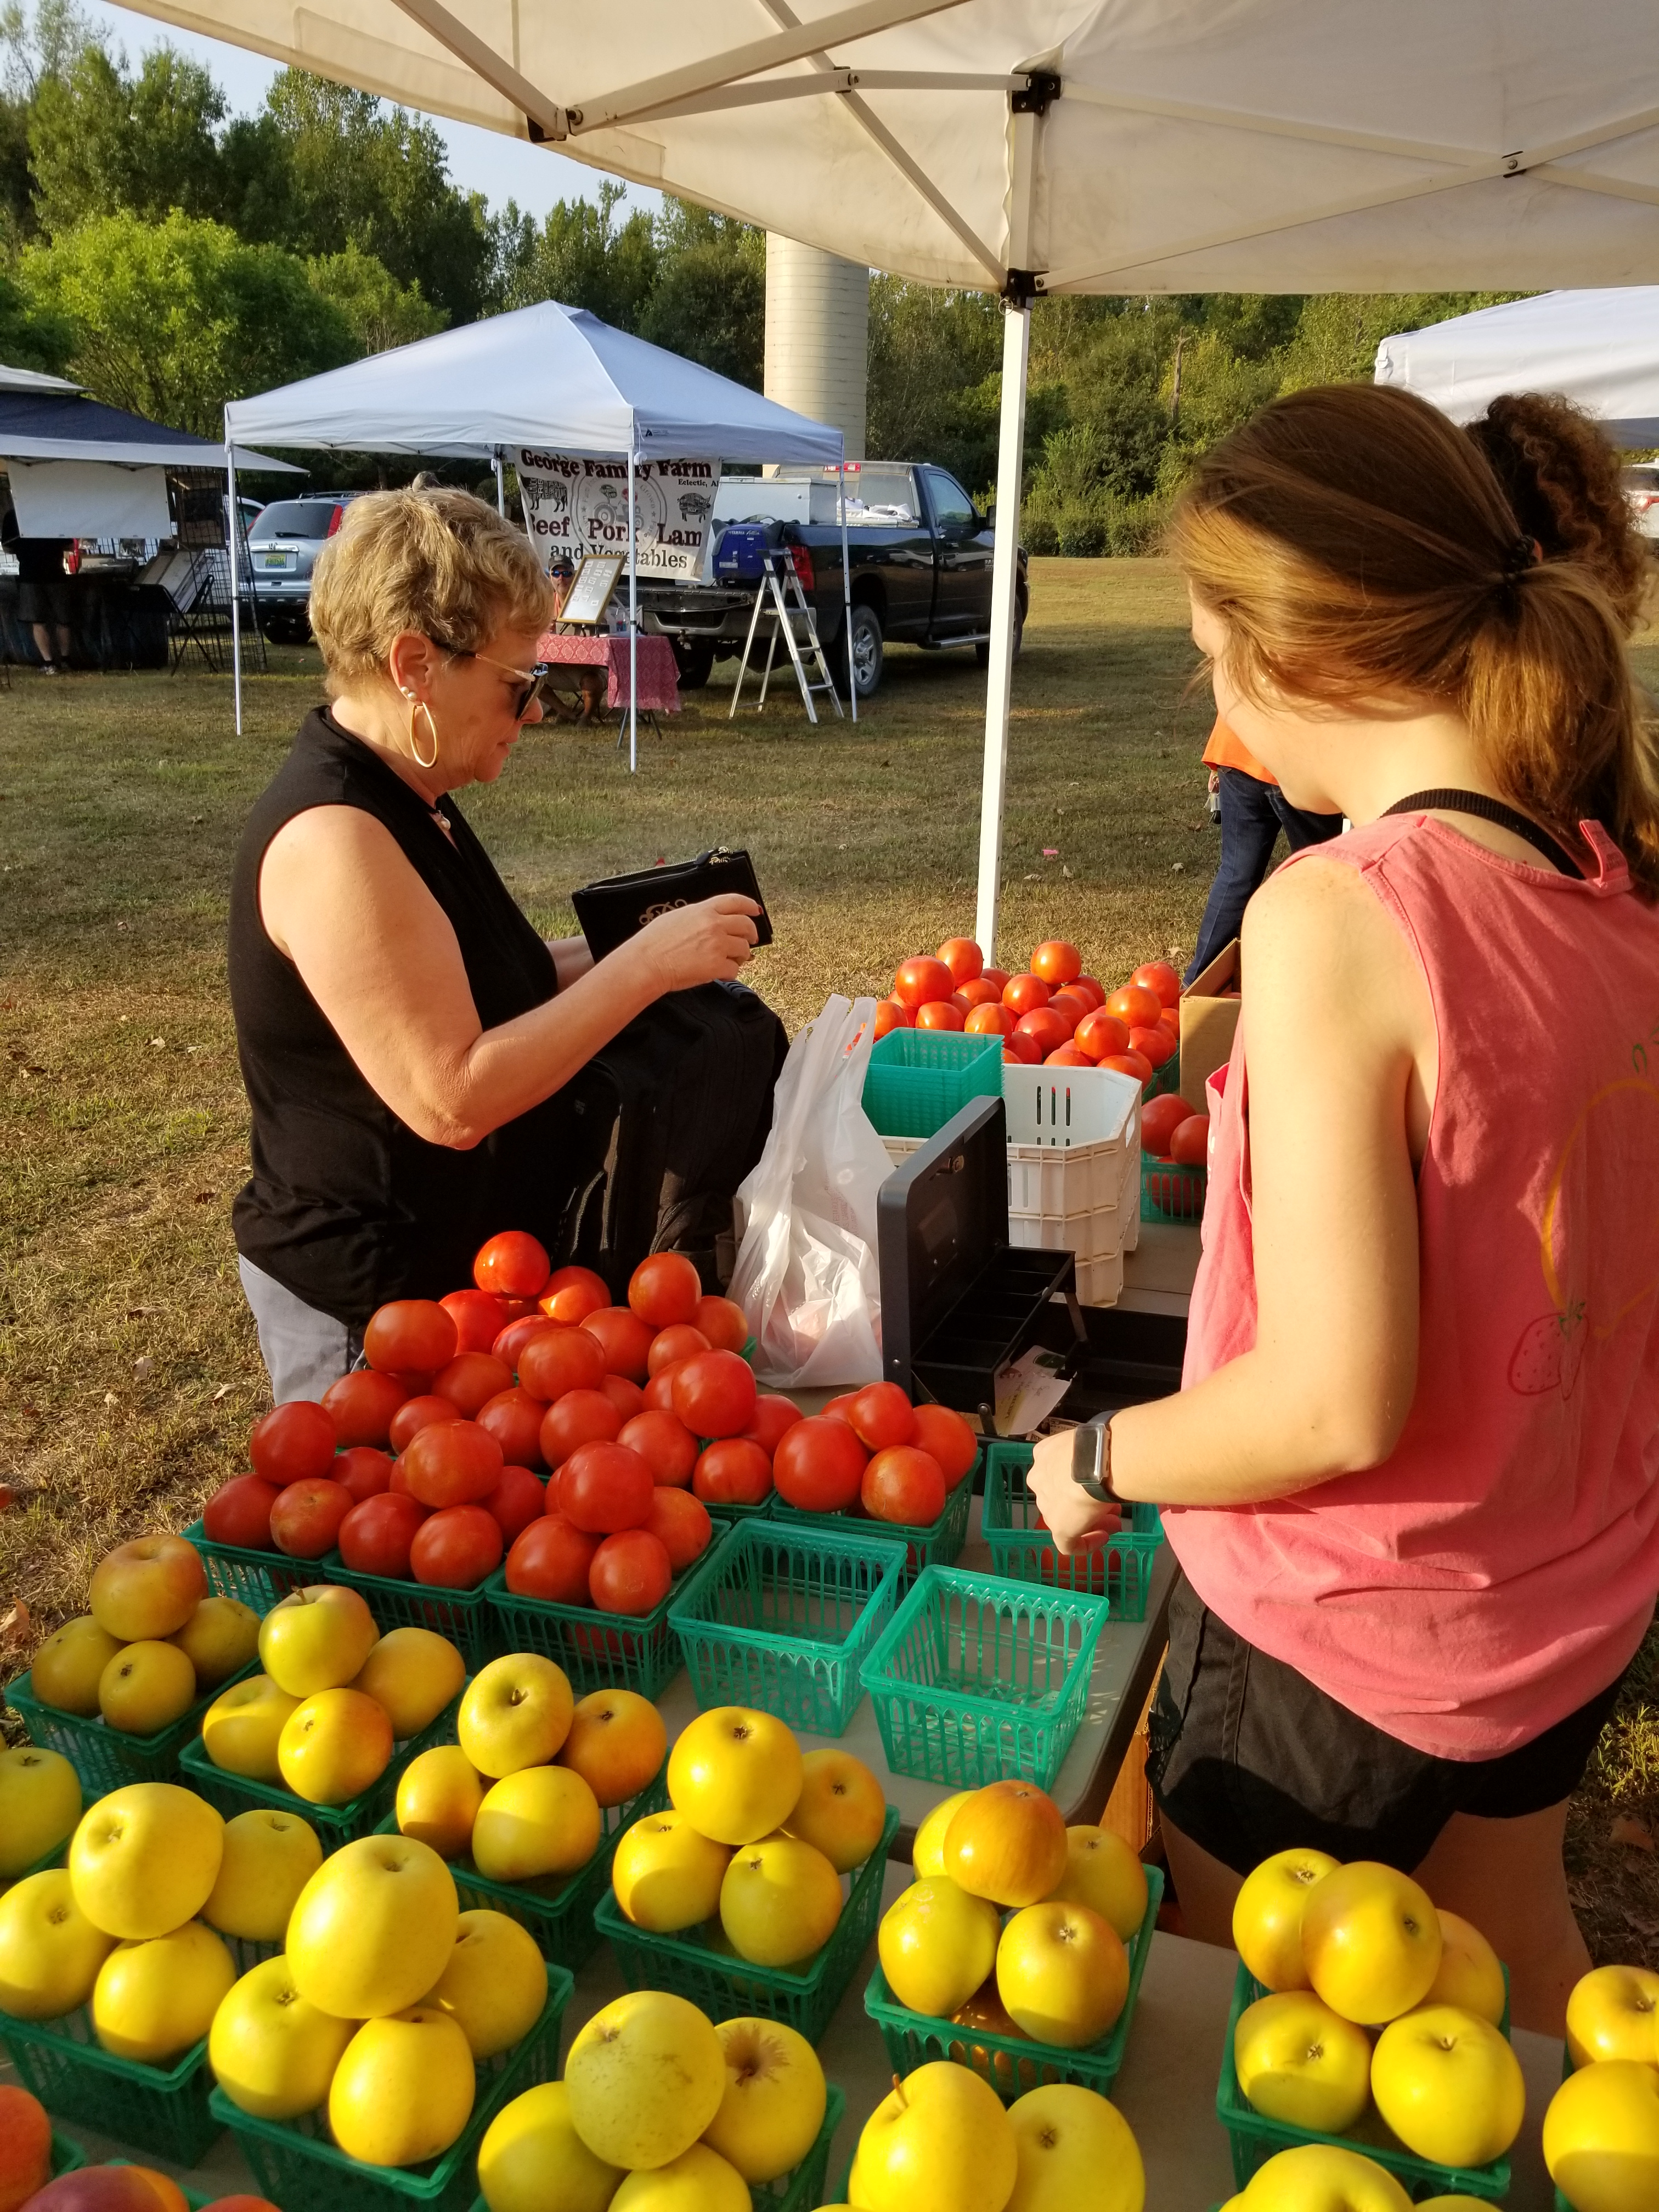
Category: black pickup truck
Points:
column 920, row 556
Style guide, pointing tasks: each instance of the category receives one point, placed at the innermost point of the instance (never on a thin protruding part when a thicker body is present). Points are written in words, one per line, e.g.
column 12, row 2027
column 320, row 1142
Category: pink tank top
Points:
column 1500, row 1569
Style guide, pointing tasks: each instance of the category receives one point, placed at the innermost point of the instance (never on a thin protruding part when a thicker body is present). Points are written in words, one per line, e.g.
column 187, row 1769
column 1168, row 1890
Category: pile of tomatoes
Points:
column 872, row 1452
column 1051, row 1012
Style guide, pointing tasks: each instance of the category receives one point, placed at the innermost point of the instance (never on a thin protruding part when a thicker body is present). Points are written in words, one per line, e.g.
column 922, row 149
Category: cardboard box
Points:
column 1209, row 1020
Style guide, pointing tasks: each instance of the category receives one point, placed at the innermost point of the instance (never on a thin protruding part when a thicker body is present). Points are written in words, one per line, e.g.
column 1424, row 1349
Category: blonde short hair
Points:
column 438, row 562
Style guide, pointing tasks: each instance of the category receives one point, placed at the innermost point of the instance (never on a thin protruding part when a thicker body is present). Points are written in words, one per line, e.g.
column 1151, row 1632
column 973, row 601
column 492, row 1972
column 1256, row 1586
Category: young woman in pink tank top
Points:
column 1412, row 1476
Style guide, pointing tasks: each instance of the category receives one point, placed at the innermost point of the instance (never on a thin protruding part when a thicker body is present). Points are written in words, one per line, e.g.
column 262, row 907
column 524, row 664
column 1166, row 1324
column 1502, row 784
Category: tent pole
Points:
column 633, row 616
column 1005, row 575
column 501, row 484
column 847, row 585
column 231, row 535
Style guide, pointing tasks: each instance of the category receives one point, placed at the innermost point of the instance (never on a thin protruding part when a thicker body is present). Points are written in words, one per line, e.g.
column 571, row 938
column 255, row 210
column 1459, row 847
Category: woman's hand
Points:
column 708, row 943
column 1076, row 1522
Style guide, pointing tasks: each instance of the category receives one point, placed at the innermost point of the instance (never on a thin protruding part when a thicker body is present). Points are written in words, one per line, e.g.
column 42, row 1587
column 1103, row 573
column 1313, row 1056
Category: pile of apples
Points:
column 1055, row 1970
column 758, row 1835
column 1601, row 2130
column 872, row 1451
column 1346, row 1951
column 335, row 1699
column 26, row 2185
column 152, row 1644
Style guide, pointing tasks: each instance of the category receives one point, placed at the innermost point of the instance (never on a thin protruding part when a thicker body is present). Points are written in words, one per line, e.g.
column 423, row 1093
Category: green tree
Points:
column 708, row 298
column 31, row 337
column 378, row 311
column 102, row 141
column 1336, row 338
column 583, row 256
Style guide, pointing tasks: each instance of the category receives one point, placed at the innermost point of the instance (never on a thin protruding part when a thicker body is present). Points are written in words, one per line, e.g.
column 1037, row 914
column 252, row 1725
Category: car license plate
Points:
column 279, row 559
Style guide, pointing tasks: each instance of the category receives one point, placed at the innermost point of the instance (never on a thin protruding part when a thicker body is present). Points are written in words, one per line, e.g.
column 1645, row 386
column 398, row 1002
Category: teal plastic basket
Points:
column 598, row 1650
column 937, row 1544
column 976, row 1680
column 464, row 1616
column 918, row 1079
column 1013, row 2063
column 1170, row 1192
column 1165, row 1079
column 67, row 2155
column 258, row 1579
column 696, row 1964
column 782, row 1617
column 106, row 1759
column 1120, row 1569
column 56, row 1856
column 163, row 2109
column 297, row 2166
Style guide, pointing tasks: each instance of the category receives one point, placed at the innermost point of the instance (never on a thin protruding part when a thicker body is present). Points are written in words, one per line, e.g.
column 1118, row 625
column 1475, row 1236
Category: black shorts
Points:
column 43, row 599
column 1247, row 1757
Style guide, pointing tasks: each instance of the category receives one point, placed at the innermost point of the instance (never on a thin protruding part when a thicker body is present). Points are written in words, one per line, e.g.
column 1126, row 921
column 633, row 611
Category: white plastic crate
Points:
column 1100, row 1282
column 1091, row 1109
column 1091, row 1235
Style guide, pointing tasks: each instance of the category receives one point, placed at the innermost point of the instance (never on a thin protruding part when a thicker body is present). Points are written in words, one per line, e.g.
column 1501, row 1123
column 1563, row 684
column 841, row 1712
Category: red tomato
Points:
column 1135, row 1006
column 665, row 1443
column 979, row 991
column 238, row 1512
column 1022, row 1046
column 399, row 1485
column 1159, row 977
column 631, row 1573
column 376, row 1534
column 714, row 1394
column 363, row 1471
column 1129, row 1063
column 732, row 1471
column 1090, row 988
column 818, row 1465
column 990, row 1018
column 1159, row 1120
column 557, row 1360
column 1056, row 962
column 479, row 1317
column 663, row 1289
column 681, row 1525
column 573, row 1293
column 881, row 1414
column 581, row 1417
column 660, row 1392
column 997, row 976
column 964, row 959
column 415, row 1414
column 905, row 1486
column 451, row 1464
column 892, row 1014
column 292, row 1443
column 361, row 1406
column 1023, row 994
column 1190, row 1144
column 1067, row 1056
column 682, row 1341
column 1155, row 1044
column 411, row 1336
column 1171, row 1019
column 514, row 1418
column 624, row 1338
column 516, row 1334
column 513, row 1265
column 306, row 1516
column 518, row 1498
column 946, row 1437
column 837, row 1409
column 724, row 1322
column 1046, row 1027
column 774, row 1418
column 939, row 1014
column 604, row 1487
column 550, row 1559
column 918, row 982
column 1100, row 1033
column 471, row 1380
column 457, row 1548
column 627, row 1397
column 1070, row 1009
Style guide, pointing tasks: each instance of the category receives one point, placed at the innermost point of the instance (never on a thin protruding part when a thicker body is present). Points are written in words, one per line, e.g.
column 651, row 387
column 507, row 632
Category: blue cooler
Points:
column 740, row 556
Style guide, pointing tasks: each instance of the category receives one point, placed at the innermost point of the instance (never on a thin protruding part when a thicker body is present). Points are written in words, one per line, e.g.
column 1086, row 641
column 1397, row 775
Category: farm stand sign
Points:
column 575, row 505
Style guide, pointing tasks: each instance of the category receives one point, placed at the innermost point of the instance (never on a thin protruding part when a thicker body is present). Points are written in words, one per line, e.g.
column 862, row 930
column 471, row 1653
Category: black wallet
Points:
column 608, row 914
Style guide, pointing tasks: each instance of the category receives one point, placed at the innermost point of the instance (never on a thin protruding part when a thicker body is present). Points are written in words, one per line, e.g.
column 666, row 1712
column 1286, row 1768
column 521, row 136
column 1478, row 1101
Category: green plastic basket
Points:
column 781, row 1617
column 105, row 1757
column 67, row 2155
column 598, row 1650
column 692, row 1964
column 258, row 1579
column 464, row 1616
column 918, row 1079
column 56, row 1856
column 1120, row 1569
column 1165, row 1079
column 1171, row 1193
column 937, row 1544
column 913, row 2040
column 1255, row 2139
column 976, row 1679
column 296, row 2166
column 162, row 2109
column 193, row 2199
column 334, row 1824
column 734, row 1516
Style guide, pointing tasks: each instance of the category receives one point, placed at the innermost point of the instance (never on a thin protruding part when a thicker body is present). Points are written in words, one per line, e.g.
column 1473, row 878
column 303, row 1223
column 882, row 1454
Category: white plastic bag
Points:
column 807, row 1272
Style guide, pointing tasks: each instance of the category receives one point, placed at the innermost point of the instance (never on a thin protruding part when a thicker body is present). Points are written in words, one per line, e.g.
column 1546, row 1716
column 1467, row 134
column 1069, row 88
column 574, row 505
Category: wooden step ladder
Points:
column 780, row 583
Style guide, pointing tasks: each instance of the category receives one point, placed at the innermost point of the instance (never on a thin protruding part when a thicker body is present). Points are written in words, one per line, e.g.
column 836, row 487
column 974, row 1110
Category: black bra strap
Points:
column 1491, row 810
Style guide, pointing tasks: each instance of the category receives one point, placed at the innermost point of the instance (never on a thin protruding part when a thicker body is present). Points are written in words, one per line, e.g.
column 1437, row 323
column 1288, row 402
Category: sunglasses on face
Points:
column 533, row 680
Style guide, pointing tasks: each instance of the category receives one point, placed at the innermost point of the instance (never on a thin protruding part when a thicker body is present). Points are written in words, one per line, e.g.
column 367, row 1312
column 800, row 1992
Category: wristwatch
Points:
column 1092, row 1459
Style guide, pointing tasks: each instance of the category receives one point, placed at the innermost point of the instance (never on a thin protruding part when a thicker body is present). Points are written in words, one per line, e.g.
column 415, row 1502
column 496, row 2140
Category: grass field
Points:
column 129, row 1376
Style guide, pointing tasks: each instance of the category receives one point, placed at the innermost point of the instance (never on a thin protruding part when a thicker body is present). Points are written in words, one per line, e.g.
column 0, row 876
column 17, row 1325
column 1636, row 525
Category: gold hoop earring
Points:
column 420, row 708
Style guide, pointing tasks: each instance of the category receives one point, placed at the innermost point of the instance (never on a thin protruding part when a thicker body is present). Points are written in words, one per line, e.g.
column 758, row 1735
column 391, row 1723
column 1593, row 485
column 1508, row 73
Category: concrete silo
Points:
column 817, row 327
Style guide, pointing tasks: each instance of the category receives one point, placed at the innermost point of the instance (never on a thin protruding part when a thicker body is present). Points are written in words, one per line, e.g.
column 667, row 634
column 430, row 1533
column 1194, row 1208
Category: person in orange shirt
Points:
column 1254, row 810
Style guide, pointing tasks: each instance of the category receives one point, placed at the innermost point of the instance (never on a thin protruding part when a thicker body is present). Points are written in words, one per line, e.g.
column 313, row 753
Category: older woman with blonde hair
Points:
column 405, row 1031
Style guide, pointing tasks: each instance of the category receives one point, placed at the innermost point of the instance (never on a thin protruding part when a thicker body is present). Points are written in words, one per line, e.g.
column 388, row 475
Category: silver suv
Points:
column 282, row 546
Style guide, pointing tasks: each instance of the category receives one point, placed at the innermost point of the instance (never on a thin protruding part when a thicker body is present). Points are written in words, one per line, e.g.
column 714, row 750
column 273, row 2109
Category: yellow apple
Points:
column 774, row 2102
column 1601, row 2138
column 268, row 1858
column 145, row 1858
column 937, row 1944
column 68, row 1665
column 414, row 1673
column 50, row 1951
column 540, row 1821
column 243, row 1726
column 333, row 1747
column 1103, row 1873
column 1299, row 2062
column 516, row 1713
column 373, row 1928
column 1267, row 1917
column 1370, row 1937
column 147, row 1588
column 219, row 1639
column 1063, row 1974
column 273, row 2054
column 439, row 1795
column 1614, row 2012
column 735, row 1774
column 153, row 2000
column 645, row 2075
column 1074, row 2148
column 146, row 1688
column 841, row 1810
column 1006, row 1841
column 1470, row 1975
column 532, row 2158
column 940, row 2142
column 495, row 1987
column 403, row 2088
column 1448, row 2085
column 616, row 1743
column 927, row 1852
column 1321, row 2178
column 40, row 1805
column 698, row 2180
column 666, row 1874
column 1454, row 2204
column 779, row 1901
column 316, row 1638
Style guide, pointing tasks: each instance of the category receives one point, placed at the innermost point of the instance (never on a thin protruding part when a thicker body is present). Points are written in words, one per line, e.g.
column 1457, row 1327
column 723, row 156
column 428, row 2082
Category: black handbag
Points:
column 609, row 913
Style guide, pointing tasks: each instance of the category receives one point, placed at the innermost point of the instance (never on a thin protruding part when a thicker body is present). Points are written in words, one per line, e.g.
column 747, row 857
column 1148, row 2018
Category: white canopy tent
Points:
column 547, row 375
column 1043, row 146
column 1600, row 349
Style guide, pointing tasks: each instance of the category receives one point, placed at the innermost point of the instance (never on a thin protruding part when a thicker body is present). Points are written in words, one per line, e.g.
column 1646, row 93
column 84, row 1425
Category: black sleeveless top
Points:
column 347, row 1206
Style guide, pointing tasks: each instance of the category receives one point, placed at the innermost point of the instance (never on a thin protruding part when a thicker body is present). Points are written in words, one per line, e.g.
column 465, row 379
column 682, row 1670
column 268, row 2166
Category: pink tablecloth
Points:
column 659, row 688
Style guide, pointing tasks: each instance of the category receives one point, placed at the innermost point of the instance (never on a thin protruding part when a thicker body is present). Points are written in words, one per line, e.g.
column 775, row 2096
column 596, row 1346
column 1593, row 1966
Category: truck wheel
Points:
column 982, row 651
column 695, row 663
column 867, row 654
